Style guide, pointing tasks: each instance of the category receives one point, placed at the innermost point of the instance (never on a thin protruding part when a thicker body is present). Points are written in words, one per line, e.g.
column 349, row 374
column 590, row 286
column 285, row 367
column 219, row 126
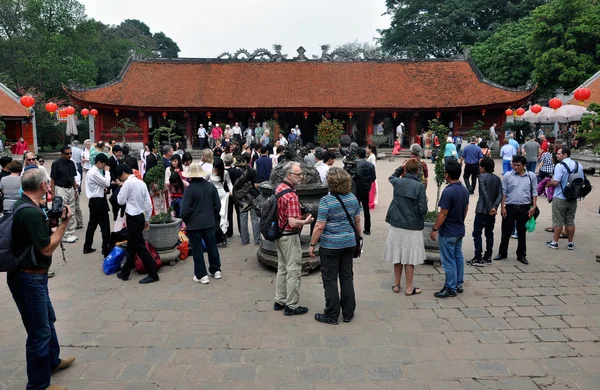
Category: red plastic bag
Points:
column 184, row 250
column 139, row 265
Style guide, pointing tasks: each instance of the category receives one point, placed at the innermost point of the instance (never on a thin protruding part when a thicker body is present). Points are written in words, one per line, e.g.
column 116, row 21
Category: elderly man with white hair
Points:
column 237, row 132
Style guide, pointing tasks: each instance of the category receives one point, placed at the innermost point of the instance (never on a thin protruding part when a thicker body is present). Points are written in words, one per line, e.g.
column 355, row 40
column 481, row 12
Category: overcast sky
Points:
column 206, row 28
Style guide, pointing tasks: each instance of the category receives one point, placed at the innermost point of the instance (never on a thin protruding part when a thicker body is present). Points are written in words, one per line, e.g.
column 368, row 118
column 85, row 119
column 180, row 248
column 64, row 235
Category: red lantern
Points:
column 70, row 110
column 555, row 103
column 394, row 114
column 230, row 115
column 305, row 114
column 27, row 101
column 483, row 111
column 208, row 114
column 372, row 114
column 327, row 115
column 275, row 115
column 350, row 114
column 141, row 114
column 186, row 114
column 51, row 108
column 536, row 109
column 94, row 112
column 116, row 111
column 438, row 114
column 520, row 111
column 582, row 94
column 164, row 114
column 509, row 112
column 253, row 114
column 85, row 112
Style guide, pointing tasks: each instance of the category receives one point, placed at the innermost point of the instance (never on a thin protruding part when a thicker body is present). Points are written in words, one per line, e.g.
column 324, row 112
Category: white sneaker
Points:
column 69, row 239
column 203, row 280
column 217, row 275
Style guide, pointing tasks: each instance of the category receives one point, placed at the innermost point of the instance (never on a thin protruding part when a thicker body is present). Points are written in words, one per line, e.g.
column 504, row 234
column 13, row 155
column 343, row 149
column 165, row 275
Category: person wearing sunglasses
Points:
column 62, row 174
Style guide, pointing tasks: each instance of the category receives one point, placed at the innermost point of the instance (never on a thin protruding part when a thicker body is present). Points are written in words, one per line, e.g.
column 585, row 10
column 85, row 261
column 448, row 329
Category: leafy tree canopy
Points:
column 425, row 28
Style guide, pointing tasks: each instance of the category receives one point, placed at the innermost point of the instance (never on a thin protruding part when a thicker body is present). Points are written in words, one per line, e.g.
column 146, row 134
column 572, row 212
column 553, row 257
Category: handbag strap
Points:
column 347, row 216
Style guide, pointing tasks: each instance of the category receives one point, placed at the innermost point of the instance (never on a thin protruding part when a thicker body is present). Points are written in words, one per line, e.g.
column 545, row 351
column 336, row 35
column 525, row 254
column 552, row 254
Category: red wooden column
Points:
column 145, row 129
column 412, row 128
column 370, row 127
column 457, row 118
column 189, row 131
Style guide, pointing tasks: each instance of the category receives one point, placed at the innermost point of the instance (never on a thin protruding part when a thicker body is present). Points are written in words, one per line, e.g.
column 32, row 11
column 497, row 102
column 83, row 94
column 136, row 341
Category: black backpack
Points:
column 577, row 187
column 8, row 260
column 266, row 209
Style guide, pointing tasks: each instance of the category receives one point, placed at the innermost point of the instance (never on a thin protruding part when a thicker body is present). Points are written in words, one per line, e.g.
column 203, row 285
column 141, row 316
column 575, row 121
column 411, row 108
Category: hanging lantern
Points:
column 394, row 114
column 275, row 115
column 186, row 114
column 116, row 111
column 509, row 112
column 350, row 114
column 141, row 114
column 230, row 115
column 85, row 112
column 555, row 103
column 327, row 115
column 164, row 114
column 51, row 108
column 582, row 94
column 483, row 111
column 70, row 110
column 305, row 115
column 253, row 114
column 372, row 114
column 536, row 109
column 27, row 101
column 438, row 114
column 93, row 112
column 520, row 111
column 208, row 114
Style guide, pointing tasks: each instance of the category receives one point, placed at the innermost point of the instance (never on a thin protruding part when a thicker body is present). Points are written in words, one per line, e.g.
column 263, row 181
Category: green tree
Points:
column 424, row 28
column 165, row 46
column 590, row 126
column 125, row 126
column 329, row 132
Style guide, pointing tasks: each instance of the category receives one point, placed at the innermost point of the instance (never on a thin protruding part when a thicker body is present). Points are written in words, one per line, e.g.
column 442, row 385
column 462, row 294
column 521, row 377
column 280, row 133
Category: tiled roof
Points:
column 312, row 84
column 8, row 106
column 593, row 83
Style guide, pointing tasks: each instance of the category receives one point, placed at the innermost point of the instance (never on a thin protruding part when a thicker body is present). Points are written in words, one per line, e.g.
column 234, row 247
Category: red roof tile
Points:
column 9, row 107
column 222, row 84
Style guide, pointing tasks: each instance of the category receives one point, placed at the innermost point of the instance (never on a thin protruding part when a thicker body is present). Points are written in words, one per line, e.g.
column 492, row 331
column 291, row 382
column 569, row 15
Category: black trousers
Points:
column 515, row 214
column 363, row 199
column 230, row 208
column 484, row 222
column 472, row 172
column 116, row 207
column 337, row 263
column 98, row 216
column 136, row 245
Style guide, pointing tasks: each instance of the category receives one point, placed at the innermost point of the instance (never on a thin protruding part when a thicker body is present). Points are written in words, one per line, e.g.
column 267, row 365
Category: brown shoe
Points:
column 56, row 387
column 64, row 363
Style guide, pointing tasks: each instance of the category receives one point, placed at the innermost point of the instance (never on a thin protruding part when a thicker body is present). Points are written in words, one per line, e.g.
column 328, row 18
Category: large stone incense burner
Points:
column 310, row 193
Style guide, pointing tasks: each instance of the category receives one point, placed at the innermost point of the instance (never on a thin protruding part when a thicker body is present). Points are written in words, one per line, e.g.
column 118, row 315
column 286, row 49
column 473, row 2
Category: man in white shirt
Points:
column 202, row 137
column 493, row 137
column 138, row 209
column 96, row 184
column 237, row 132
column 282, row 141
column 299, row 134
column 400, row 133
column 323, row 168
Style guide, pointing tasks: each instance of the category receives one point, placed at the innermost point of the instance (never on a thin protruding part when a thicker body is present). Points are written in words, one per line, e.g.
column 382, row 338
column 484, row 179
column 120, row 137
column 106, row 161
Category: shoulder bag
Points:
column 359, row 240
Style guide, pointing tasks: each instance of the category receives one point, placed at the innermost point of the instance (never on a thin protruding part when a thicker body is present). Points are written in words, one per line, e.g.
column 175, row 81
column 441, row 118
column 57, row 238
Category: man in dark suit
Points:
column 113, row 162
column 151, row 159
column 129, row 160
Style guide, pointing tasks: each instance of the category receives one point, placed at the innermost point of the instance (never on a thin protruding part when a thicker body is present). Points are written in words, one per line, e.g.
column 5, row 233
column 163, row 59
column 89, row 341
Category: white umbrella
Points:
column 542, row 117
column 72, row 126
column 568, row 113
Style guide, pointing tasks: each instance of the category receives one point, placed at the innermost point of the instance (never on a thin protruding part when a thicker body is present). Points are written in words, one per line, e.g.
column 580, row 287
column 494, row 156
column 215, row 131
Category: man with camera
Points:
column 28, row 284
column 63, row 174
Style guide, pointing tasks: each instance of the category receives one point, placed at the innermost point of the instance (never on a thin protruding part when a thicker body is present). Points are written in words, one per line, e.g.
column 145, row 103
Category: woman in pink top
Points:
column 217, row 133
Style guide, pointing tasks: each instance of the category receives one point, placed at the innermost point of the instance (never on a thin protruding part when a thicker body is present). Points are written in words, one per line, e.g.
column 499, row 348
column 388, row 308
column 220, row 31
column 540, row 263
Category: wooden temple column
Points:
column 145, row 129
column 189, row 131
column 370, row 127
column 456, row 126
column 412, row 128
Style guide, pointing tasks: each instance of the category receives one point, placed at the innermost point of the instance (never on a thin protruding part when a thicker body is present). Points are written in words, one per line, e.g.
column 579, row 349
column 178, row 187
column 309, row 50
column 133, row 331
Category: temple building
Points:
column 19, row 120
column 257, row 87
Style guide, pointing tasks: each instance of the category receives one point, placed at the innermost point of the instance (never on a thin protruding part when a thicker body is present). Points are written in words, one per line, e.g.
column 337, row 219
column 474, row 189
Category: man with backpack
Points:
column 28, row 278
column 568, row 183
column 289, row 252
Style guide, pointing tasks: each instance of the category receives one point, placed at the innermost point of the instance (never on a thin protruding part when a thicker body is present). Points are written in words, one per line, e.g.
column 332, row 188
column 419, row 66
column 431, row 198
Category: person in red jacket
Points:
column 20, row 147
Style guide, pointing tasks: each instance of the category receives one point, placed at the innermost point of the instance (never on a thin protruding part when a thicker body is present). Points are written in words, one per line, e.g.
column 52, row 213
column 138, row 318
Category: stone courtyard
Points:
column 515, row 326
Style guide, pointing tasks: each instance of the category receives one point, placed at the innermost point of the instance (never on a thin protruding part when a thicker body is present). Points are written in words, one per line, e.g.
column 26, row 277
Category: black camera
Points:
column 57, row 208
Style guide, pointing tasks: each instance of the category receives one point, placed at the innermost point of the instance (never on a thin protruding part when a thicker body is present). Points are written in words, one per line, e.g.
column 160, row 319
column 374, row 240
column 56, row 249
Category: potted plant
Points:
column 329, row 132
column 155, row 180
column 163, row 235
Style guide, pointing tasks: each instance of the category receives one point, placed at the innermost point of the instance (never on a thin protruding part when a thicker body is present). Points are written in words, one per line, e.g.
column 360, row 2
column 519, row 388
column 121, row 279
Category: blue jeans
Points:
column 531, row 166
column 453, row 261
column 196, row 237
column 506, row 166
column 30, row 293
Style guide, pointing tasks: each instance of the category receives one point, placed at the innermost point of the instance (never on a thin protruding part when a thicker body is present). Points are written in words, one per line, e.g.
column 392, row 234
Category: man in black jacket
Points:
column 151, row 159
column 113, row 162
column 200, row 212
column 365, row 176
column 129, row 160
column 490, row 195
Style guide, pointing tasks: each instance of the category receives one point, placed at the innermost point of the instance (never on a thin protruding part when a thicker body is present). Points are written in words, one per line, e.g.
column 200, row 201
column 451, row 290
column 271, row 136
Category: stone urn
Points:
column 164, row 237
column 309, row 195
column 432, row 248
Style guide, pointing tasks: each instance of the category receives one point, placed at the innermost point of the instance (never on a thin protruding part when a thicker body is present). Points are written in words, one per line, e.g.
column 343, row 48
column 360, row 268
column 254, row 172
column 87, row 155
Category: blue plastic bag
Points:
column 112, row 263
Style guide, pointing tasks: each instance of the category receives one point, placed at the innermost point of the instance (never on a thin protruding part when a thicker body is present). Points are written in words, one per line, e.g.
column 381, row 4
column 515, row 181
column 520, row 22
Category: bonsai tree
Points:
column 477, row 131
column 166, row 132
column 162, row 218
column 330, row 132
column 520, row 129
column 441, row 131
column 155, row 180
column 124, row 126
column 590, row 126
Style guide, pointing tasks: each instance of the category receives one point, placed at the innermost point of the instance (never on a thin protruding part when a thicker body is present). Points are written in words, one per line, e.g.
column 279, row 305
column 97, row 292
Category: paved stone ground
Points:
column 515, row 327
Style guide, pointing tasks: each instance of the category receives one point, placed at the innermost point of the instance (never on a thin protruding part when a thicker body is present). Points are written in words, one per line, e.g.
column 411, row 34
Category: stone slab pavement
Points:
column 515, row 326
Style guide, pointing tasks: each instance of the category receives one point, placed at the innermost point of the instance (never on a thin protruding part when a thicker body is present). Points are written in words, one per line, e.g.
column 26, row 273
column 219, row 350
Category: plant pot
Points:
column 432, row 248
column 164, row 236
